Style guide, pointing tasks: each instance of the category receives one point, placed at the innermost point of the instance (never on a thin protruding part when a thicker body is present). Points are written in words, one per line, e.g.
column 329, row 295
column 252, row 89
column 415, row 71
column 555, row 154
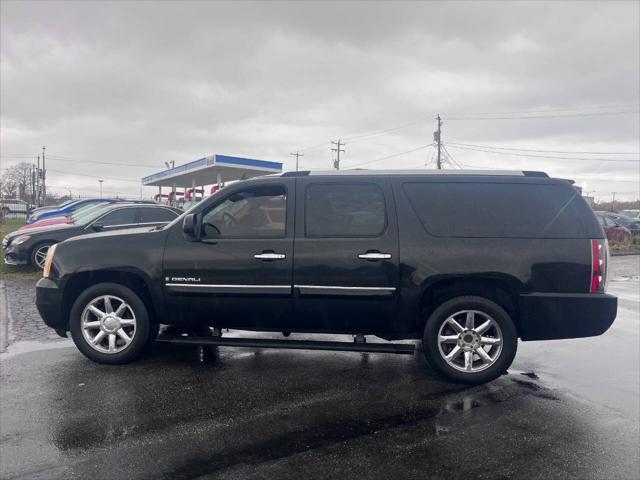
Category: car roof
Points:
column 364, row 172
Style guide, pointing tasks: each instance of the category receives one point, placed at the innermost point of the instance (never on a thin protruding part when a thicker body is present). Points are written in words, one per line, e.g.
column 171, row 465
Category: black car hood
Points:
column 115, row 233
column 36, row 231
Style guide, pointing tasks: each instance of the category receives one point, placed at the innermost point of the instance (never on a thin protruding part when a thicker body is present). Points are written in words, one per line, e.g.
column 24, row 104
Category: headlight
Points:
column 49, row 261
column 21, row 239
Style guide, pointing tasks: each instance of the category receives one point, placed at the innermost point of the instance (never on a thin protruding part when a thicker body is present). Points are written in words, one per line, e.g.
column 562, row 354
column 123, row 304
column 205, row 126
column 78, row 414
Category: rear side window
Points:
column 344, row 210
column 151, row 215
column 508, row 210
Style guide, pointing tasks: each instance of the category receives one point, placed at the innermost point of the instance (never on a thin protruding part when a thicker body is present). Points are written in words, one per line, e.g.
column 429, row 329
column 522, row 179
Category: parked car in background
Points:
column 615, row 232
column 634, row 214
column 633, row 224
column 396, row 254
column 82, row 212
column 67, row 209
column 31, row 247
column 60, row 219
column 53, row 207
column 10, row 206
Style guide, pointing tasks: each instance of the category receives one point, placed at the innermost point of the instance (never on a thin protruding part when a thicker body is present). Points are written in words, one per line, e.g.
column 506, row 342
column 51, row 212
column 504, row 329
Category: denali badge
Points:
column 186, row 279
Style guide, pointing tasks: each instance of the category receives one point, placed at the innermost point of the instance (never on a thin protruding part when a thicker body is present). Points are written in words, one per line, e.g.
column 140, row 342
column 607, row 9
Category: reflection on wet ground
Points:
column 276, row 414
column 566, row 410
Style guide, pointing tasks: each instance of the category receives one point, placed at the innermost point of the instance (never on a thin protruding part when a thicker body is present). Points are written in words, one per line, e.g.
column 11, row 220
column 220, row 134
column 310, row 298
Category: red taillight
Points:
column 599, row 257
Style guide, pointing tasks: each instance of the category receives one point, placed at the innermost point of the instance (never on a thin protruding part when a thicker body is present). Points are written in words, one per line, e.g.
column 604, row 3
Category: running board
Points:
column 399, row 348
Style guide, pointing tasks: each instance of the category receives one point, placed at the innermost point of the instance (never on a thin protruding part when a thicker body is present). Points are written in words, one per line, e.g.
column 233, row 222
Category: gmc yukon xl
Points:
column 466, row 261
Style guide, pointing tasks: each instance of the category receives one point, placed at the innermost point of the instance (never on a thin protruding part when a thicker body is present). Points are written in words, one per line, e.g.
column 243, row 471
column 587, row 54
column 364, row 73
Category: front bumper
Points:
column 547, row 316
column 49, row 303
column 16, row 256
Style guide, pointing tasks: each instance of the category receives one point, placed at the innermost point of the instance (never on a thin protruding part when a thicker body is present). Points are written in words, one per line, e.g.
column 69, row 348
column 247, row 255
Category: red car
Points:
column 615, row 232
column 46, row 222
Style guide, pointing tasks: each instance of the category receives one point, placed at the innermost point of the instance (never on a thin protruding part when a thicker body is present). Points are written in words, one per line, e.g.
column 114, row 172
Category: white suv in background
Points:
column 13, row 205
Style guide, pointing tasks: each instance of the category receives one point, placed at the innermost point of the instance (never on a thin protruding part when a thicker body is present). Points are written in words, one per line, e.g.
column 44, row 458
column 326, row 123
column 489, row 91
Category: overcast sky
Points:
column 144, row 83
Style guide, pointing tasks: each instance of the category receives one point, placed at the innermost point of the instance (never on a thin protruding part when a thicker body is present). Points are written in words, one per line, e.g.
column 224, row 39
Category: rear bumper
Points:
column 49, row 303
column 547, row 316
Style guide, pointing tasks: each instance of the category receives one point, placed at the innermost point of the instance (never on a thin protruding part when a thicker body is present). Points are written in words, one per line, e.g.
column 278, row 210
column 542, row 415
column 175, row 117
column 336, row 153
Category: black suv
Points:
column 468, row 262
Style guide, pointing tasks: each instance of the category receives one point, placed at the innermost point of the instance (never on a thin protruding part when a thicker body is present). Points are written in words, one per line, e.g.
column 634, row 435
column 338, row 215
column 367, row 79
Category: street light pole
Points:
column 100, row 180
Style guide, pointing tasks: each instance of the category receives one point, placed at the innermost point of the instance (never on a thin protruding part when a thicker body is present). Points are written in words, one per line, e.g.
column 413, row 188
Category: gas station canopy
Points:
column 210, row 170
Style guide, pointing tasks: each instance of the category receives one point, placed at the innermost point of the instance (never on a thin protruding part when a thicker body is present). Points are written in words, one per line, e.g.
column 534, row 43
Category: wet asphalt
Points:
column 567, row 409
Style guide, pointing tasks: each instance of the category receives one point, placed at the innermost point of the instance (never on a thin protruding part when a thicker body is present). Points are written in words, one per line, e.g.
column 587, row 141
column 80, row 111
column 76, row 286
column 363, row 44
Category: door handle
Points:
column 269, row 256
column 374, row 256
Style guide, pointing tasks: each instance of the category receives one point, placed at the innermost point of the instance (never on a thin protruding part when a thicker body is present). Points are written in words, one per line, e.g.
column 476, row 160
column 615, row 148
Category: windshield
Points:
column 87, row 210
column 90, row 216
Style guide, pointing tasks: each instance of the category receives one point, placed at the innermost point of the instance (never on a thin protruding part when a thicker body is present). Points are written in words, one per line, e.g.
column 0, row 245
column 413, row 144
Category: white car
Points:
column 14, row 206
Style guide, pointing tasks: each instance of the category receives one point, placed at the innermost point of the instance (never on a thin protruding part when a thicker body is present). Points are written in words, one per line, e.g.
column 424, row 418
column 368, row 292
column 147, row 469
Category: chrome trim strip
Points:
column 239, row 289
column 345, row 291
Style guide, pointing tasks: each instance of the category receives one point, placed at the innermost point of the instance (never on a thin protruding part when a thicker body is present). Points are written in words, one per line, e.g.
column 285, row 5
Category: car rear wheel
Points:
column 109, row 323
column 470, row 340
column 39, row 254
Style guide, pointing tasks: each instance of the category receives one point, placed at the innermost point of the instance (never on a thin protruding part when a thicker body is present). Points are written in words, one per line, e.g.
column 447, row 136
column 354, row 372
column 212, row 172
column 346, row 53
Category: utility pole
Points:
column 38, row 183
column 100, row 180
column 34, row 175
column 297, row 154
column 44, row 177
column 339, row 144
column 437, row 137
column 613, row 200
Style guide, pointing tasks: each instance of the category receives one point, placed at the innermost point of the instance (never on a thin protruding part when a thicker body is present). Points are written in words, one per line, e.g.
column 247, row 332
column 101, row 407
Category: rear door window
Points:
column 344, row 210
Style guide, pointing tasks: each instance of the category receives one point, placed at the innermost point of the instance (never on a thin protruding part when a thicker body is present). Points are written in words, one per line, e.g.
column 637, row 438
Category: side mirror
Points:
column 97, row 227
column 190, row 226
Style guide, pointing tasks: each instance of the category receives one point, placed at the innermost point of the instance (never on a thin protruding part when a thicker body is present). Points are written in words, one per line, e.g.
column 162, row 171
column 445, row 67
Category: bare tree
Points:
column 17, row 182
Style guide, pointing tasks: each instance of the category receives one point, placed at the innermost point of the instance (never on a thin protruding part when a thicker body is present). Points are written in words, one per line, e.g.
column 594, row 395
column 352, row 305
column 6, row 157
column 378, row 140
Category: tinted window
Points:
column 150, row 215
column 344, row 210
column 123, row 216
column 469, row 209
column 258, row 212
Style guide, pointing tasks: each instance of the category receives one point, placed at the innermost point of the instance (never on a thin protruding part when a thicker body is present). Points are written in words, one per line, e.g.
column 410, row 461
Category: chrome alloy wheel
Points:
column 470, row 341
column 40, row 255
column 108, row 324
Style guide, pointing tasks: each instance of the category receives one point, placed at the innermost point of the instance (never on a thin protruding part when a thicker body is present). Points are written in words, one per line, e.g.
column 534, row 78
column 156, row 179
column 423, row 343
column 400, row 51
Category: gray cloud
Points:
column 147, row 82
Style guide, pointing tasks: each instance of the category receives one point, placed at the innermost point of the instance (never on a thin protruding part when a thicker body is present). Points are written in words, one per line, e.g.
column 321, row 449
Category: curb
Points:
column 4, row 318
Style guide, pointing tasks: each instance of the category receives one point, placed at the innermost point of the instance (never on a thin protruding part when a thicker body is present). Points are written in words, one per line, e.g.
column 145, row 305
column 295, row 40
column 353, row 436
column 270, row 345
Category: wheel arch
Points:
column 79, row 282
column 501, row 289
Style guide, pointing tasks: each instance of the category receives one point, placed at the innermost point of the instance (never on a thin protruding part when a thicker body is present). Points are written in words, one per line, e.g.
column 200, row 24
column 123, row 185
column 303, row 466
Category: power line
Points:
column 94, row 176
column 390, row 156
column 485, row 150
column 571, row 109
column 542, row 151
column 59, row 158
column 529, row 117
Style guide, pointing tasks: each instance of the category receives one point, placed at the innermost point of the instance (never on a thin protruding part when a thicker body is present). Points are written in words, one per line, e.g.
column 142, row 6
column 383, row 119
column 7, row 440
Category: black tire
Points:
column 34, row 257
column 141, row 337
column 486, row 307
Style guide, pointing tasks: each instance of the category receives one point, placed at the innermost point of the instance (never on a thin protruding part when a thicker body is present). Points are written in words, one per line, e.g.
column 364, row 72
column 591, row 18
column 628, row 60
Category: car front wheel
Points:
column 109, row 323
column 470, row 340
column 39, row 254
